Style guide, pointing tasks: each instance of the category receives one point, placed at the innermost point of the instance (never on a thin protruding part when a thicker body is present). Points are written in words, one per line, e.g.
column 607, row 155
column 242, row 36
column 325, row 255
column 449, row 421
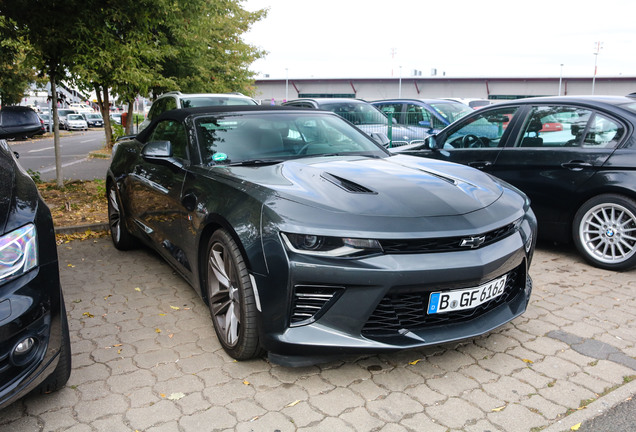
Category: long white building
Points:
column 278, row 90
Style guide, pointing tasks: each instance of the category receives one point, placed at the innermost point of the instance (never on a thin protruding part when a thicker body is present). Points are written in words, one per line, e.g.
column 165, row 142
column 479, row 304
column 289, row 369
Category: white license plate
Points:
column 450, row 301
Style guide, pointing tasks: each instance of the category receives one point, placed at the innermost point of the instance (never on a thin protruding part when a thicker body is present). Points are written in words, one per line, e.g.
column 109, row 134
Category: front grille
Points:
column 407, row 311
column 310, row 302
column 443, row 244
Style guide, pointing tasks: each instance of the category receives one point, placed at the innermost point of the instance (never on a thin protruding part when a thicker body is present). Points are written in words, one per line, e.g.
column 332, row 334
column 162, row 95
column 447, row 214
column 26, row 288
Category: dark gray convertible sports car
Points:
column 307, row 239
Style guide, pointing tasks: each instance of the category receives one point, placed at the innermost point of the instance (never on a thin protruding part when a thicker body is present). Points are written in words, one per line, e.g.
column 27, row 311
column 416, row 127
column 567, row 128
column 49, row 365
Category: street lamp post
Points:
column 400, row 84
column 286, row 84
column 598, row 48
column 560, row 79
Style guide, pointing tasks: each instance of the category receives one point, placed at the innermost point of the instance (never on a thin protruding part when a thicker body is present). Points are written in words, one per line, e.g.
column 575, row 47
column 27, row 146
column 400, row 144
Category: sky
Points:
column 456, row 38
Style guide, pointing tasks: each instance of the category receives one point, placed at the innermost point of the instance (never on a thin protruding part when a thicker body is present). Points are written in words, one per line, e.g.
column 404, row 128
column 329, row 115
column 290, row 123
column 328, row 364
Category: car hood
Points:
column 397, row 186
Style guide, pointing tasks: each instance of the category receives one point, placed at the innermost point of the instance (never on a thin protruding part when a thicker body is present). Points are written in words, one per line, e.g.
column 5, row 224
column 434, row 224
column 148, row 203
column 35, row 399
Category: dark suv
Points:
column 20, row 122
column 35, row 349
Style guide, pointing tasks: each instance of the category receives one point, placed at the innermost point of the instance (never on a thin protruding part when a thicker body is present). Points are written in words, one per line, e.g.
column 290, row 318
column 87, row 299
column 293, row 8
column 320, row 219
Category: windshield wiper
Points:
column 256, row 162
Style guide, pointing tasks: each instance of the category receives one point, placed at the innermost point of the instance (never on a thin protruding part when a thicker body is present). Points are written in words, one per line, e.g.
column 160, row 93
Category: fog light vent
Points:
column 310, row 302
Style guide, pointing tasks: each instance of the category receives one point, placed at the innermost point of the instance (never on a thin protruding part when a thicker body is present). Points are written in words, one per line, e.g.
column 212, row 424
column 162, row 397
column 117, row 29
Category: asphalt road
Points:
column 38, row 155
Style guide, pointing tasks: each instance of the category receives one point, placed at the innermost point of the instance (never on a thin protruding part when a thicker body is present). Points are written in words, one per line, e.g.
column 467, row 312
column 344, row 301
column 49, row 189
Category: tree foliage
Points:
column 126, row 48
column 16, row 65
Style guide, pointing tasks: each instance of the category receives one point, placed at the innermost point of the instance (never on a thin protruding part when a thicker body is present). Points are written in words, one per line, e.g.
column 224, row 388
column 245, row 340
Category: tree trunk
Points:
column 104, row 107
column 130, row 118
column 56, row 134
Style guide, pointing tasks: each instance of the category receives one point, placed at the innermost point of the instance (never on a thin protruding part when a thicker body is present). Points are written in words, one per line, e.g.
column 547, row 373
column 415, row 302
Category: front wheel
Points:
column 122, row 238
column 604, row 231
column 231, row 298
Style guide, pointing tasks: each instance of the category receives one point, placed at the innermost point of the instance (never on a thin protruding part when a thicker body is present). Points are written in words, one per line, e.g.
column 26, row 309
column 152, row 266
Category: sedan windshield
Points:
column 357, row 113
column 266, row 137
column 451, row 111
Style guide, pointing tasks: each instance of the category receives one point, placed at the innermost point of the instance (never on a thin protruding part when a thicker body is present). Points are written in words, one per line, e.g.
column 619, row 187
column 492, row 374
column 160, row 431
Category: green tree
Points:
column 48, row 27
column 16, row 68
column 210, row 54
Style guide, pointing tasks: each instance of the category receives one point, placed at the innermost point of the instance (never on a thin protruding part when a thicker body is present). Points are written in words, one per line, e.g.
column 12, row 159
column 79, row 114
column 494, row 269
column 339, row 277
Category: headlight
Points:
column 308, row 244
column 18, row 252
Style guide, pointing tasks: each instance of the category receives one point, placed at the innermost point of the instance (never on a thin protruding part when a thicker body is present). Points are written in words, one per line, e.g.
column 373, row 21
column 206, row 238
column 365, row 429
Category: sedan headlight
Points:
column 308, row 244
column 18, row 252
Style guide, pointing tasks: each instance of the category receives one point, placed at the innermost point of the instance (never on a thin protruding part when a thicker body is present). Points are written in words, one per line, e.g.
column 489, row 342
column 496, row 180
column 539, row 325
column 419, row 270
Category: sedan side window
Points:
column 603, row 132
column 554, row 126
column 484, row 130
column 173, row 131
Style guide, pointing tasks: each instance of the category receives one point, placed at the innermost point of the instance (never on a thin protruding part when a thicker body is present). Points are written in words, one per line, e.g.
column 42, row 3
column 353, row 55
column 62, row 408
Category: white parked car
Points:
column 76, row 122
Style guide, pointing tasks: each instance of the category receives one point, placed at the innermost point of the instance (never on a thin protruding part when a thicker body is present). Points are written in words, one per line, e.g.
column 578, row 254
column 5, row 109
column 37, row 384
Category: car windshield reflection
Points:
column 255, row 139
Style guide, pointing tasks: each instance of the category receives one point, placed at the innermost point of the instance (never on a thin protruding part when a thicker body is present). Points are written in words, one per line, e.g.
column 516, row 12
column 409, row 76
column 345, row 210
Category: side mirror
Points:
column 426, row 124
column 431, row 143
column 380, row 138
column 157, row 150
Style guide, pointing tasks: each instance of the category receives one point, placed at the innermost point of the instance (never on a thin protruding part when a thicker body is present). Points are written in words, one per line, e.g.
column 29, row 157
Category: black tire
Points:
column 604, row 231
column 62, row 371
column 231, row 298
column 121, row 237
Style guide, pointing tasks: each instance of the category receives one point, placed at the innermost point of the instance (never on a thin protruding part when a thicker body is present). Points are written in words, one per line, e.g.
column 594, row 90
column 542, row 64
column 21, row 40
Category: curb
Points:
column 596, row 408
column 82, row 228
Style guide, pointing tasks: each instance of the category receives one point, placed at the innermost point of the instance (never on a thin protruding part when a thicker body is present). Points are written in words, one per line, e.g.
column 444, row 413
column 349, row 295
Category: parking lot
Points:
column 146, row 358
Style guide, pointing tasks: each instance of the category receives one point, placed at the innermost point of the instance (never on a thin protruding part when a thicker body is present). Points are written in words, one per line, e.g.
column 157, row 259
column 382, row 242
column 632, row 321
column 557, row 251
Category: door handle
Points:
column 479, row 164
column 576, row 165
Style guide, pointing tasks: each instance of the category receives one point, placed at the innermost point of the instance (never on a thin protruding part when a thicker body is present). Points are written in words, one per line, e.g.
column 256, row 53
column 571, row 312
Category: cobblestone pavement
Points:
column 145, row 358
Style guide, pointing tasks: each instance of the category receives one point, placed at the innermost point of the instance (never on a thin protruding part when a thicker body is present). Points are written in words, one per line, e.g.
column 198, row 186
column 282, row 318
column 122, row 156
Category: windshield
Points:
column 93, row 116
column 357, row 113
column 451, row 111
column 276, row 136
column 206, row 101
column 75, row 117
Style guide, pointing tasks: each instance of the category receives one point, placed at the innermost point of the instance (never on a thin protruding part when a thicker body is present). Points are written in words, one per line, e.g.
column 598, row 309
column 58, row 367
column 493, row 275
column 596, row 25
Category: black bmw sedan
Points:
column 574, row 156
column 35, row 350
column 307, row 239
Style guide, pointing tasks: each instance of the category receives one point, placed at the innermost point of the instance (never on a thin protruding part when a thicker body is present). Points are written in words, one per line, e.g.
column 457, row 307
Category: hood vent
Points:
column 347, row 185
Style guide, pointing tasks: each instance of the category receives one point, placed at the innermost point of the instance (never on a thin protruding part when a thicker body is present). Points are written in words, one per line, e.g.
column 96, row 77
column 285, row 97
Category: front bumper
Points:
column 30, row 306
column 380, row 303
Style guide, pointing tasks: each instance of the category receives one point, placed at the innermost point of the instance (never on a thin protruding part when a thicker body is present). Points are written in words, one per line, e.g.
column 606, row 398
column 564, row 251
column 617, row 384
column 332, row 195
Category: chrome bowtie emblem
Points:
column 473, row 242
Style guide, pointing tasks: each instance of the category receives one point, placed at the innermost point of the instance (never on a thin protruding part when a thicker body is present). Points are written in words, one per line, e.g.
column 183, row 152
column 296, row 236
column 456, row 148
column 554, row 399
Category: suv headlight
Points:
column 316, row 245
column 18, row 252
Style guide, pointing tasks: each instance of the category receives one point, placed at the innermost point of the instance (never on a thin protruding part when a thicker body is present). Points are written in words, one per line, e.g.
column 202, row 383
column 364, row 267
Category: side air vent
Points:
column 347, row 185
column 310, row 302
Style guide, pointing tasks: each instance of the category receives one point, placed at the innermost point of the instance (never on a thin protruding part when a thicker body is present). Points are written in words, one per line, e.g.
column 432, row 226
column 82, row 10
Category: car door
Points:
column 557, row 150
column 157, row 185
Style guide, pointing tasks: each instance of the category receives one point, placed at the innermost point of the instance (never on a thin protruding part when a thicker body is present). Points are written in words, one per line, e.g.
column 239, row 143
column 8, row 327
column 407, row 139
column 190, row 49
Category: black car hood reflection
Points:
column 18, row 197
column 392, row 187
column 7, row 180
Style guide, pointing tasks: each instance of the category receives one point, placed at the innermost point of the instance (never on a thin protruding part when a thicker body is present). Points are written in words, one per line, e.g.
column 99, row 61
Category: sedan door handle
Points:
column 576, row 165
column 479, row 164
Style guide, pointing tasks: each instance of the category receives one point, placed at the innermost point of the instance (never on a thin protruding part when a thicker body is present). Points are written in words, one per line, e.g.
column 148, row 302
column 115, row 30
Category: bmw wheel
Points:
column 122, row 239
column 231, row 298
column 604, row 231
